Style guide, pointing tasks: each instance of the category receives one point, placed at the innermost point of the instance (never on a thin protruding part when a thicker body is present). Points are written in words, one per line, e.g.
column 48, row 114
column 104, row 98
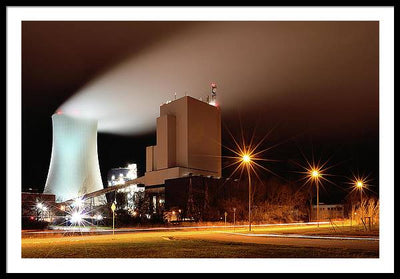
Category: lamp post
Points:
column 315, row 176
column 246, row 159
column 360, row 185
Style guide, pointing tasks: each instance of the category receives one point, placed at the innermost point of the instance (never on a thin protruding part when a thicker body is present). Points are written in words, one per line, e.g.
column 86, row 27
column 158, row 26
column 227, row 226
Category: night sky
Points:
column 313, row 85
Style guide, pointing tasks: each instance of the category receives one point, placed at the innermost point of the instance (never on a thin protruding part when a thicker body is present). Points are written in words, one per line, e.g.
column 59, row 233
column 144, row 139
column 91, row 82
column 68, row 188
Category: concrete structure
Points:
column 188, row 142
column 74, row 168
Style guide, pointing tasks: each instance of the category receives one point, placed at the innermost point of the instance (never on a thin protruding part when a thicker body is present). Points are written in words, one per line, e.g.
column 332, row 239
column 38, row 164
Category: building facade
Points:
column 328, row 211
column 188, row 142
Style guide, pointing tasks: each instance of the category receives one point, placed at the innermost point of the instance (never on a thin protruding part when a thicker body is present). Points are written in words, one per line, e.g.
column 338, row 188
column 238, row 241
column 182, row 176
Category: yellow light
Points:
column 314, row 173
column 359, row 184
column 246, row 158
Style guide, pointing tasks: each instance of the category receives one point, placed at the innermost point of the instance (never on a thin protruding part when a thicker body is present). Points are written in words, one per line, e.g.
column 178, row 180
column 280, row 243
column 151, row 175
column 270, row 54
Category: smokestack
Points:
column 74, row 166
column 213, row 94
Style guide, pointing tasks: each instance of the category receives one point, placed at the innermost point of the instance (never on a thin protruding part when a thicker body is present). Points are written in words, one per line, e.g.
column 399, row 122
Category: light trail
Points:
column 179, row 228
column 307, row 236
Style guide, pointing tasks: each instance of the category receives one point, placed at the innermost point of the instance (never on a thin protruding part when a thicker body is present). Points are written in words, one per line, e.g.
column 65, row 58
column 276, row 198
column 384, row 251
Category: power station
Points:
column 188, row 145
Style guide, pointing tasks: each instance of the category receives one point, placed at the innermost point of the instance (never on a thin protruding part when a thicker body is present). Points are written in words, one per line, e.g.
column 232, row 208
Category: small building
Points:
column 328, row 211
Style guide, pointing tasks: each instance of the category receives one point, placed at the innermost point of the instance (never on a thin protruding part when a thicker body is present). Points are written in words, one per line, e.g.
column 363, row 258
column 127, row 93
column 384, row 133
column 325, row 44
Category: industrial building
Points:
column 188, row 141
column 74, row 167
column 188, row 144
column 122, row 176
column 188, row 148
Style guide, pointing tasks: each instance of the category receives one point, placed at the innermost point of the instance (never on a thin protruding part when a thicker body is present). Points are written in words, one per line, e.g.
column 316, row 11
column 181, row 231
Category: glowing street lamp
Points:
column 39, row 207
column 359, row 184
column 76, row 217
column 246, row 159
column 315, row 175
column 246, row 156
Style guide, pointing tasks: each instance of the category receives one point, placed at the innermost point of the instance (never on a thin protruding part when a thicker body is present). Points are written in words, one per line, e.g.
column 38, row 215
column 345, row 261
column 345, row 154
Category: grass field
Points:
column 186, row 249
column 193, row 244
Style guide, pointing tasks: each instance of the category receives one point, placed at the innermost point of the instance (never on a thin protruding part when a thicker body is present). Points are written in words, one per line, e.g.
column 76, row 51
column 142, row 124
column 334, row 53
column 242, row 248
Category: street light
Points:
column 359, row 184
column 315, row 175
column 246, row 156
column 40, row 211
column 246, row 159
column 314, row 172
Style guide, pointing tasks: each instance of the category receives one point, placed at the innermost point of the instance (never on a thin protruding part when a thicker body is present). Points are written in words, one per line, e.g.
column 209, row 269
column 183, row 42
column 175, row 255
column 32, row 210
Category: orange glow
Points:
column 360, row 183
column 246, row 158
column 315, row 173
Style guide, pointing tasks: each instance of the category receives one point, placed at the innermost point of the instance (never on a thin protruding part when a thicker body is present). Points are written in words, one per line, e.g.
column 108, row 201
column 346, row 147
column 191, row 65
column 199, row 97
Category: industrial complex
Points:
column 183, row 169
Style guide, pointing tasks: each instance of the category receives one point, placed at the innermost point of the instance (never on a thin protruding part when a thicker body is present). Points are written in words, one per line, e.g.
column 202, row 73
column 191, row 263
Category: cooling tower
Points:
column 74, row 166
